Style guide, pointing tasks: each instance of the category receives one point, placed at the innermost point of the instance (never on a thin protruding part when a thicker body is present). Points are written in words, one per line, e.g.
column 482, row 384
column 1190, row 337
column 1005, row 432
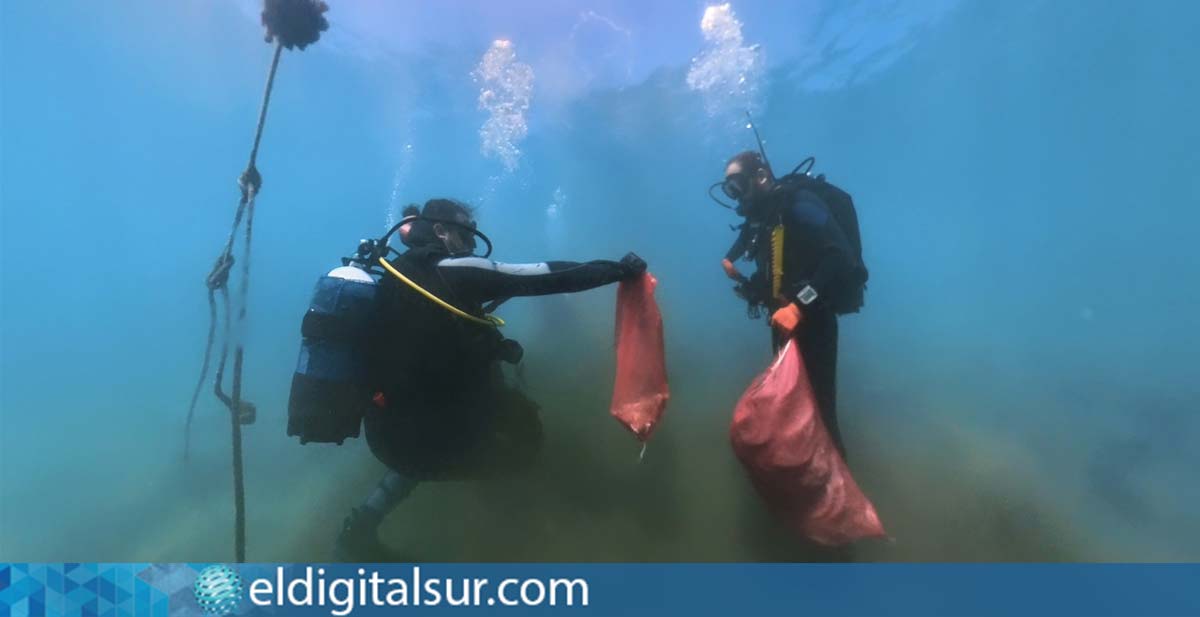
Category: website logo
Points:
column 218, row 590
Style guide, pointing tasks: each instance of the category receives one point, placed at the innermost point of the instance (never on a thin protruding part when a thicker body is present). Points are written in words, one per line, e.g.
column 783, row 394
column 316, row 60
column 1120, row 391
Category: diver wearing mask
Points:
column 443, row 410
column 809, row 268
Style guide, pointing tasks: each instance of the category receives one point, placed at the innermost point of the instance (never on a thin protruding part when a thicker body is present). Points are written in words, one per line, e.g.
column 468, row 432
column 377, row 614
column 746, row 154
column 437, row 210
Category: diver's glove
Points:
column 631, row 266
column 787, row 319
column 732, row 272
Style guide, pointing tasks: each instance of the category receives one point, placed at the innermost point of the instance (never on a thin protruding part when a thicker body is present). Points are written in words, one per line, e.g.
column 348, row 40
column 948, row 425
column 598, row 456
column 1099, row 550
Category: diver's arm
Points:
column 818, row 226
column 490, row 280
column 740, row 244
column 735, row 252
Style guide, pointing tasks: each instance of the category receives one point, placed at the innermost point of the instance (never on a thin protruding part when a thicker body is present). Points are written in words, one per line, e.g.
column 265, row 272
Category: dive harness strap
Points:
column 490, row 321
column 776, row 261
column 807, row 295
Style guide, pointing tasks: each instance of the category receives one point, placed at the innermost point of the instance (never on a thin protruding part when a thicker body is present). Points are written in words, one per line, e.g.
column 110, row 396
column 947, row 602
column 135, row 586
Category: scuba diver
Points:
column 802, row 233
column 437, row 406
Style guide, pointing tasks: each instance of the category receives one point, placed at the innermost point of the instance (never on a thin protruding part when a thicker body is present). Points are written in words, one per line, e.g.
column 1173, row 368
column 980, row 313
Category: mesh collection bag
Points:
column 779, row 437
column 640, row 393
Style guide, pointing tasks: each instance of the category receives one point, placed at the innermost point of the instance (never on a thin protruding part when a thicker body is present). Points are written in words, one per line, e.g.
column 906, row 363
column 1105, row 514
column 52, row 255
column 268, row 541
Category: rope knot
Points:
column 250, row 180
column 219, row 277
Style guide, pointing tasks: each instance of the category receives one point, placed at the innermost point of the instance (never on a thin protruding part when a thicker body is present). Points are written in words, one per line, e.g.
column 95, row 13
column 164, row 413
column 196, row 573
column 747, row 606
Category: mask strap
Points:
column 420, row 217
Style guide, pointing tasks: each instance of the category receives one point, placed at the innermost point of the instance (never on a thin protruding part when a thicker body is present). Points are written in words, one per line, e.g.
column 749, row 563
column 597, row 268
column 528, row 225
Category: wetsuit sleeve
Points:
column 490, row 280
column 740, row 244
column 813, row 225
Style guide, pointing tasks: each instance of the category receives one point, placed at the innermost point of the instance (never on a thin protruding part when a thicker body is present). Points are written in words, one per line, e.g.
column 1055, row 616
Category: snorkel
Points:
column 761, row 150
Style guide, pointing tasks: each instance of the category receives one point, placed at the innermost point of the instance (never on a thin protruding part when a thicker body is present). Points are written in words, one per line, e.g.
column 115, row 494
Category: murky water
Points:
column 1020, row 386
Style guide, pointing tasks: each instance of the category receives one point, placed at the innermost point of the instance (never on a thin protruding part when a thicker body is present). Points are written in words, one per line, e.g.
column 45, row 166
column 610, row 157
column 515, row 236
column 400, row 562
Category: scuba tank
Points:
column 330, row 388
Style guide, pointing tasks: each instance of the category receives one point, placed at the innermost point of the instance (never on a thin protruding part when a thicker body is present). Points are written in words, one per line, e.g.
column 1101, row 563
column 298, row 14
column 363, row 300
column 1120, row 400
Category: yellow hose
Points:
column 491, row 320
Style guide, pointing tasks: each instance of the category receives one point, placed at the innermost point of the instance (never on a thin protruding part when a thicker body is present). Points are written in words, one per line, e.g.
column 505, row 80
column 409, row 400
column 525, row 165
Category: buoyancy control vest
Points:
column 848, row 295
column 369, row 337
column 421, row 345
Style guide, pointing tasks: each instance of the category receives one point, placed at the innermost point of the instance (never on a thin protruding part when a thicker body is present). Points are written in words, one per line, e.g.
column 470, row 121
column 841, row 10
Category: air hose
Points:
column 487, row 320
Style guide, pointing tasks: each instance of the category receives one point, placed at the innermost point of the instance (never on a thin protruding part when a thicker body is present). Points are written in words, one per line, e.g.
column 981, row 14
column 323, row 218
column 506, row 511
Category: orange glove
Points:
column 787, row 319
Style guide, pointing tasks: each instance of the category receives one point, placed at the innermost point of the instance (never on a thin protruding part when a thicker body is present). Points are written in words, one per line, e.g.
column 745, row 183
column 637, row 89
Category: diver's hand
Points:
column 787, row 319
column 631, row 266
column 732, row 272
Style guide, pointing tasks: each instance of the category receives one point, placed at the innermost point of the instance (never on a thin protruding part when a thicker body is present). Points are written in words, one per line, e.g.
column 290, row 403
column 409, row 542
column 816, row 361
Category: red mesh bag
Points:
column 640, row 393
column 779, row 437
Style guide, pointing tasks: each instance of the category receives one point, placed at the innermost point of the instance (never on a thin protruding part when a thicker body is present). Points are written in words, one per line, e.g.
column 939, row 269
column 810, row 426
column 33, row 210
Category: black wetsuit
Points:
column 816, row 253
column 446, row 404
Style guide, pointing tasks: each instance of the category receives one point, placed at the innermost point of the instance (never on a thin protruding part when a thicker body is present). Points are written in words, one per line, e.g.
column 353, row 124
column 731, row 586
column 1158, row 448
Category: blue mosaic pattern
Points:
column 97, row 590
column 116, row 590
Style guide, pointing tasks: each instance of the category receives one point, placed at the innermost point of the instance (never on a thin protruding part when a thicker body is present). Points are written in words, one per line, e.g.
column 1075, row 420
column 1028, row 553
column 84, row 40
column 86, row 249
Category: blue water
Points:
column 1021, row 384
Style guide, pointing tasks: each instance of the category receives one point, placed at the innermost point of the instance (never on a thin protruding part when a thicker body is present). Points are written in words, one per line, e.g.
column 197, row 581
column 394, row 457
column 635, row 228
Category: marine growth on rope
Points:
column 294, row 23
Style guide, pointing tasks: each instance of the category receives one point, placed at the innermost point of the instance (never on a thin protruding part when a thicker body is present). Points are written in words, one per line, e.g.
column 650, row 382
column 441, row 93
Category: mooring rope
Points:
column 290, row 24
column 218, row 282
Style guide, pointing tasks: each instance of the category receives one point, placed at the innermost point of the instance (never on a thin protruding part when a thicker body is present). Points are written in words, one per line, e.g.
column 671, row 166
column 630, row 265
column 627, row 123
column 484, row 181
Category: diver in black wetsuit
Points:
column 821, row 276
column 442, row 410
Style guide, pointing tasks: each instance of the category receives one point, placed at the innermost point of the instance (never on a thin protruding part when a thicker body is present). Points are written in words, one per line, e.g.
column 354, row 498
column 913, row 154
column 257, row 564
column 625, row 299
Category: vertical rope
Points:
column 262, row 112
column 217, row 390
column 239, row 492
column 250, row 181
column 212, row 328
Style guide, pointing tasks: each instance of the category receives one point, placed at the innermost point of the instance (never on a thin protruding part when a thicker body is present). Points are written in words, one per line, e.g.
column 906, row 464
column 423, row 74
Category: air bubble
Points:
column 505, row 88
column 727, row 73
